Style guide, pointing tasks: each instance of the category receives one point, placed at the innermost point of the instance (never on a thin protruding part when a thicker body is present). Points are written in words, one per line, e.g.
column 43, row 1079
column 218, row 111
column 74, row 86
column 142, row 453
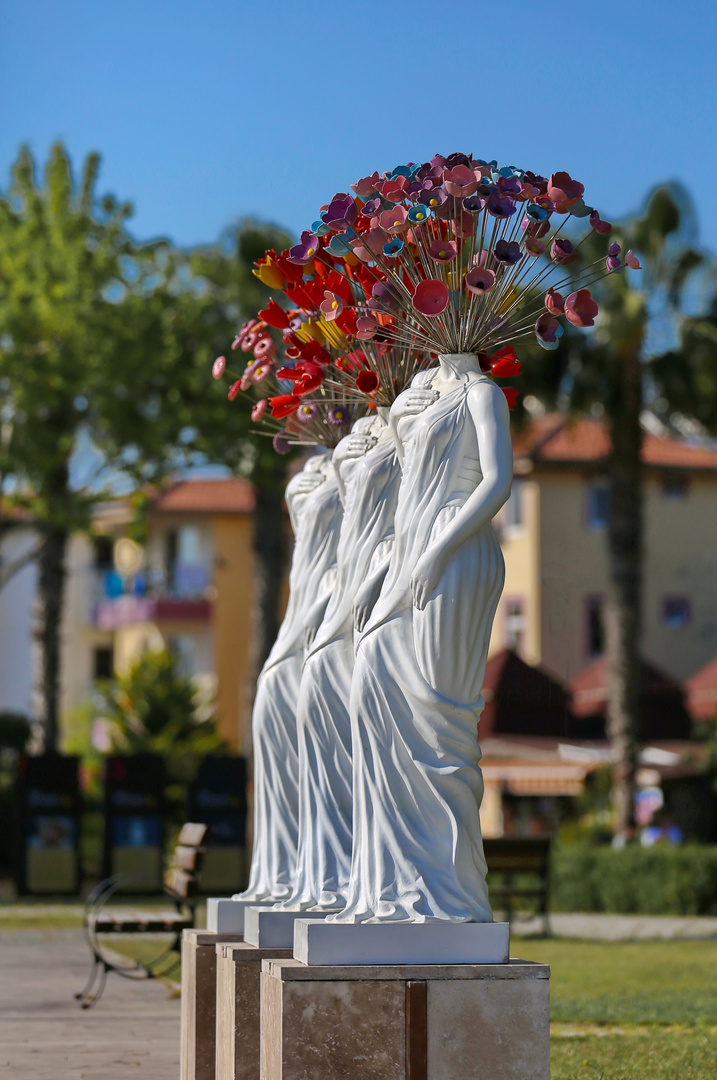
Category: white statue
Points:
column 369, row 473
column 315, row 511
column 416, row 689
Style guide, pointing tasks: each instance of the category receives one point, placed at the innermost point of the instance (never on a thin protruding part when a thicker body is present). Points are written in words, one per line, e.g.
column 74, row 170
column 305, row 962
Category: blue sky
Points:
column 205, row 112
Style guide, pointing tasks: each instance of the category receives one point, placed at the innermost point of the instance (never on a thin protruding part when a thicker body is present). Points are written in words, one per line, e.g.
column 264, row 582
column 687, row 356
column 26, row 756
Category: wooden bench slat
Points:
column 192, row 835
column 188, row 858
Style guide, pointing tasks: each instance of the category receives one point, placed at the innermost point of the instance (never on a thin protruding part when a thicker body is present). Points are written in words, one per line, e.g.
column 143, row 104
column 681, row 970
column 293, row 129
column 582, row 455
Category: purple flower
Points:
column 306, row 412
column 507, row 252
column 384, row 297
column 342, row 212
column 600, row 226
column 614, row 249
column 612, row 262
column 339, row 415
column 305, row 250
column 453, row 160
column 509, row 185
column 562, row 251
column 473, row 204
column 442, row 250
column 434, row 197
column 371, row 208
column 500, row 206
column 281, row 443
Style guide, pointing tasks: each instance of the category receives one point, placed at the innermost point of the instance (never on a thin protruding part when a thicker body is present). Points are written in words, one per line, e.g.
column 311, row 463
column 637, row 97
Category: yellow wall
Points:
column 234, row 583
column 521, row 550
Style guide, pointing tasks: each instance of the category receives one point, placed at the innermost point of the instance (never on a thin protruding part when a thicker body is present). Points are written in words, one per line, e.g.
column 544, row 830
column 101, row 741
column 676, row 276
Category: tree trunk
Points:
column 51, row 589
column 623, row 608
column 270, row 554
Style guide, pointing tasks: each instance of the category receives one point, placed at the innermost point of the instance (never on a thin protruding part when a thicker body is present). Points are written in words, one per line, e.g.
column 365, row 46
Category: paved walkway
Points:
column 597, row 927
column 44, row 1035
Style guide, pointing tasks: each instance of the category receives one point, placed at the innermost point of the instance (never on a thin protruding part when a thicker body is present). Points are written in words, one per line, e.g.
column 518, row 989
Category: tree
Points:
column 630, row 362
column 85, row 348
column 228, row 293
column 153, row 710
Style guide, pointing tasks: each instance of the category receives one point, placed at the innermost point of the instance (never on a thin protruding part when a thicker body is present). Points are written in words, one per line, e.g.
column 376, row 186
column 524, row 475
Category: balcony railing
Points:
column 181, row 591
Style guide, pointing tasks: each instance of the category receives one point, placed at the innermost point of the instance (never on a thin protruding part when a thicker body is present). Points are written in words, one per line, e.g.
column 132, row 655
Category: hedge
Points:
column 658, row 880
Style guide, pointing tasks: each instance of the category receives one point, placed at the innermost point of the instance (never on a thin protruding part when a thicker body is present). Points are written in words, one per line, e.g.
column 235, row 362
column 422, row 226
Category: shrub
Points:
column 660, row 880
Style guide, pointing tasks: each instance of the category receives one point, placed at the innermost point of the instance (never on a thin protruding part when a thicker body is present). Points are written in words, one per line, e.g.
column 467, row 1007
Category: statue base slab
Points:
column 225, row 915
column 436, row 942
column 269, row 929
column 199, row 1002
column 237, row 992
column 389, row 1022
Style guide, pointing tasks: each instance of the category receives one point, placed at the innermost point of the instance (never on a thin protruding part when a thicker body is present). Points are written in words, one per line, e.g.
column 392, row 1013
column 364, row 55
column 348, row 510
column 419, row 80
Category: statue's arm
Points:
column 489, row 411
column 368, row 594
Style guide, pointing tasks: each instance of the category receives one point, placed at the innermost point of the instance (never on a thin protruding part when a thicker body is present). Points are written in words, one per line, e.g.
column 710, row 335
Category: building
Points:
column 188, row 586
column 552, row 533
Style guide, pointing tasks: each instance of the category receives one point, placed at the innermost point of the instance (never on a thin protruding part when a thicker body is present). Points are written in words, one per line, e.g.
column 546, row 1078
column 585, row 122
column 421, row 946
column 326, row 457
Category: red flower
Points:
column 284, row 405
column 503, row 368
column 367, row 382
column 275, row 316
column 511, row 395
column 234, row 389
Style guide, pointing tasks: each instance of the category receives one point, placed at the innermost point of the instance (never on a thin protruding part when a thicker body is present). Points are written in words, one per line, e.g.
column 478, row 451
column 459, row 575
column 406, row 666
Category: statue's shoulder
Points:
column 421, row 378
column 484, row 393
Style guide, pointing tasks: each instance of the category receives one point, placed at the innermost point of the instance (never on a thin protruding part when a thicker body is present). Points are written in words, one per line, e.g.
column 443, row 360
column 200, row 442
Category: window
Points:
column 104, row 662
column 675, row 486
column 104, row 552
column 597, row 505
column 594, row 629
column 183, row 648
column 513, row 511
column 514, row 625
column 676, row 611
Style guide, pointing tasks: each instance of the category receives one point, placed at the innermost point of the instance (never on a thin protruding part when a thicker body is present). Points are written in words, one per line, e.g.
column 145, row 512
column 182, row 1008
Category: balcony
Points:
column 181, row 592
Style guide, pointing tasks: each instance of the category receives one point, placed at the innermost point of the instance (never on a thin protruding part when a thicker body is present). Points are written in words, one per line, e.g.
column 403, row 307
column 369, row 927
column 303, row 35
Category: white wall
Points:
column 17, row 601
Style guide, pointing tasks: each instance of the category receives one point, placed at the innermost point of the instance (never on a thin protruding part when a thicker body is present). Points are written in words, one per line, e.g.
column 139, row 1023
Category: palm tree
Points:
column 638, row 358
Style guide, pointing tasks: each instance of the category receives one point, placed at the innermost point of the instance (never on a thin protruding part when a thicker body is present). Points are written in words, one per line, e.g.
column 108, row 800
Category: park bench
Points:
column 100, row 923
column 515, row 859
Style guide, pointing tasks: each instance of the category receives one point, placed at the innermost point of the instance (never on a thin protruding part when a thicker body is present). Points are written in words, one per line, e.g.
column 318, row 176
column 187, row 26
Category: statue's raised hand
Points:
column 413, row 401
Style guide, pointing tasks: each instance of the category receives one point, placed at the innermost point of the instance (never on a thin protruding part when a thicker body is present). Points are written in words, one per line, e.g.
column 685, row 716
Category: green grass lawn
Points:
column 630, row 1011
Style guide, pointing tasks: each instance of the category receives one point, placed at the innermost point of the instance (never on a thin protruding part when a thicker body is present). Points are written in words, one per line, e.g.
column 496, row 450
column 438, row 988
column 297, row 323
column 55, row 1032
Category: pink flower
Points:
column 460, row 181
column 367, row 185
column 366, row 328
column 534, row 247
column 219, row 367
column 580, row 308
column 394, row 220
column 366, row 246
column 632, row 261
column 564, row 191
column 479, row 280
column 332, row 306
column 259, row 409
column 443, row 250
column 554, row 302
column 264, row 348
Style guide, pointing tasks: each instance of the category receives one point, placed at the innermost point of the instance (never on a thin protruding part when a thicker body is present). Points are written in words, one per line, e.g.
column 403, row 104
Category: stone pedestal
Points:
column 389, row 1022
column 270, row 929
column 199, row 995
column 237, row 1010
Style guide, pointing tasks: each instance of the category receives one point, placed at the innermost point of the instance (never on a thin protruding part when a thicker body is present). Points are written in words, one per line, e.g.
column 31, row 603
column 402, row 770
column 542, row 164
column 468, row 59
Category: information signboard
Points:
column 134, row 820
column 217, row 798
column 47, row 825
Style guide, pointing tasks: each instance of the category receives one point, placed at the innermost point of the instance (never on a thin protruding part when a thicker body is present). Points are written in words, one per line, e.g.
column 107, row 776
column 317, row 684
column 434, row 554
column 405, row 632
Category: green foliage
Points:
column 15, row 731
column 153, row 709
column 659, row 880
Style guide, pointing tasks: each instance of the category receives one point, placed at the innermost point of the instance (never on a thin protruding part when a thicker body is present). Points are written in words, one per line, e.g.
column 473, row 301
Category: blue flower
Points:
column 535, row 212
column 339, row 245
column 419, row 214
column 319, row 228
column 393, row 247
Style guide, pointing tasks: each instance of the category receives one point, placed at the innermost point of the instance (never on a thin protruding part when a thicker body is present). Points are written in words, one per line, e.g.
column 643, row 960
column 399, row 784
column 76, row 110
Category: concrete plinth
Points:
column 199, row 995
column 270, row 929
column 237, row 1010
column 438, row 942
column 225, row 915
column 392, row 1022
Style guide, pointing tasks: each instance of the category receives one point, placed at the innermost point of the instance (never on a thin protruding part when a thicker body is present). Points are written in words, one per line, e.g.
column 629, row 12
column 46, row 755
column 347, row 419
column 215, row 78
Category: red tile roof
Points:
column 701, row 691
column 552, row 439
column 225, row 495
